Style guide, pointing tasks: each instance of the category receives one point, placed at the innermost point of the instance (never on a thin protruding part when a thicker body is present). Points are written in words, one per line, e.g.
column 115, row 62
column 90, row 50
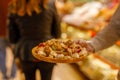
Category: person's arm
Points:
column 13, row 31
column 109, row 35
column 56, row 30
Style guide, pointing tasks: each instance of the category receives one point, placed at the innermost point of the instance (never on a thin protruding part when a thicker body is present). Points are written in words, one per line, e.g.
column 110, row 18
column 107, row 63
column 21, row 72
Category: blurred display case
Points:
column 103, row 65
column 97, row 68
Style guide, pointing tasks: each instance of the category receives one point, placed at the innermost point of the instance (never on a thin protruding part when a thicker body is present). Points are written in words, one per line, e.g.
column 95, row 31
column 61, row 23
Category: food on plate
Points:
column 58, row 49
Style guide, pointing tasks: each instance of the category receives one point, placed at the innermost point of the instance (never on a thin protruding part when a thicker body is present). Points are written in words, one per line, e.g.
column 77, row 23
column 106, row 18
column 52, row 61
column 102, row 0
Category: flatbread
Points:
column 59, row 51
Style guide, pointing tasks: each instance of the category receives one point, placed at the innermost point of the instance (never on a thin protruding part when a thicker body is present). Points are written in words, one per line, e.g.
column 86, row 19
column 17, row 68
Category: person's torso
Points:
column 36, row 26
column 33, row 30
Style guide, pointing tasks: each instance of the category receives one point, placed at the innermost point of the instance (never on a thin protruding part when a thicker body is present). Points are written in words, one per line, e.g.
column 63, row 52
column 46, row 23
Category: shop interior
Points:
column 79, row 19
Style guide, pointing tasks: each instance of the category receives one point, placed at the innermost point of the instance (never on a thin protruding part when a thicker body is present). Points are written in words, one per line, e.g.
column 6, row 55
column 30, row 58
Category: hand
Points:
column 86, row 44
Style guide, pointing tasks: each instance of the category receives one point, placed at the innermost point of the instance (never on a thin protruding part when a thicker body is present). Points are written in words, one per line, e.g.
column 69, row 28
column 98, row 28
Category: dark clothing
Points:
column 27, row 32
column 29, row 68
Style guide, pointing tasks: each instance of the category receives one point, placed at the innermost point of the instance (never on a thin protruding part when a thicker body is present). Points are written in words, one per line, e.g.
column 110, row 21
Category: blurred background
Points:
column 79, row 19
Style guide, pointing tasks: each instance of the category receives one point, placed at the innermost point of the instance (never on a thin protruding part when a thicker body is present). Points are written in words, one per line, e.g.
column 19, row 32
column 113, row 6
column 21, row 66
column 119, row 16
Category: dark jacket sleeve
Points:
column 13, row 31
column 109, row 35
column 56, row 29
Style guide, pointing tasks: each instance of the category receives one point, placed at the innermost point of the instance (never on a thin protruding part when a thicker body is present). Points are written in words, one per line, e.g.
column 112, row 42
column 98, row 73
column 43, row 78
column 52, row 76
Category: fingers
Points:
column 85, row 44
column 81, row 42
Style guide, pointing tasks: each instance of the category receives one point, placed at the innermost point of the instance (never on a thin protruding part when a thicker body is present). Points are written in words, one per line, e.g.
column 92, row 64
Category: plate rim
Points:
column 54, row 60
